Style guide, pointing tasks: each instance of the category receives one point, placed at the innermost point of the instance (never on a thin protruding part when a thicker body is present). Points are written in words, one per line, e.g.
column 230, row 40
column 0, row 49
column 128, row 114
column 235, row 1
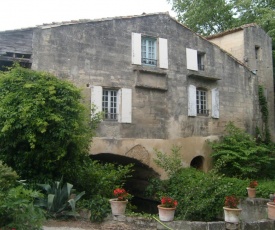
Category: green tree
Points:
column 209, row 17
column 43, row 124
column 237, row 154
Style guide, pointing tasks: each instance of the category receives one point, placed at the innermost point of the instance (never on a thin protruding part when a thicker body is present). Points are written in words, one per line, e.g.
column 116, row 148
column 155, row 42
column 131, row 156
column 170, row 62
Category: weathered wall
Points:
column 256, row 37
column 242, row 44
column 233, row 43
column 99, row 53
column 16, row 41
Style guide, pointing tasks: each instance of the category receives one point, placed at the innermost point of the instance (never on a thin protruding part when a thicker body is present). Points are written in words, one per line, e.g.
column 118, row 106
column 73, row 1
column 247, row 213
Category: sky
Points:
column 16, row 14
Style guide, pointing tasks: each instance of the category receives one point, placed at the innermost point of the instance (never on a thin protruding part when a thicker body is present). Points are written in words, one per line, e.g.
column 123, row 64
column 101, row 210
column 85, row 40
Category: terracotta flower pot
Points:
column 118, row 207
column 271, row 210
column 251, row 192
column 232, row 215
column 166, row 214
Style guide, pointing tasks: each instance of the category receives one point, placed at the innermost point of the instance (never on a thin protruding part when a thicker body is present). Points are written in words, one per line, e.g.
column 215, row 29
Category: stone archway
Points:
column 138, row 182
column 197, row 162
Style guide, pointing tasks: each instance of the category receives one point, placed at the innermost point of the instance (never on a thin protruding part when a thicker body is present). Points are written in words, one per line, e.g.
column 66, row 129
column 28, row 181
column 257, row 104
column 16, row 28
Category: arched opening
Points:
column 137, row 183
column 197, row 163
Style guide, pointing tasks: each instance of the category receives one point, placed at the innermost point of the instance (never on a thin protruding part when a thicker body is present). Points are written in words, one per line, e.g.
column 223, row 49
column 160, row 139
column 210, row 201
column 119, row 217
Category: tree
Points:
column 209, row 17
column 43, row 124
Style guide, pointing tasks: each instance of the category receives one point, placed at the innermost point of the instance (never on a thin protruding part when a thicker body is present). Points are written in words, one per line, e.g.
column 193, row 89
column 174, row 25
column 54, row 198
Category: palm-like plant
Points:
column 59, row 198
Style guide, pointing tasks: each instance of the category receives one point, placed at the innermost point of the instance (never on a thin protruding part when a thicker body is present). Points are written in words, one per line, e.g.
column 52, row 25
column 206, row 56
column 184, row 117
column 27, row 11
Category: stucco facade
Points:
column 183, row 96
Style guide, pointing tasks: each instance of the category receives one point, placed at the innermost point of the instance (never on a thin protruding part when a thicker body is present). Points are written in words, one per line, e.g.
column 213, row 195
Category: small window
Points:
column 257, row 53
column 149, row 51
column 109, row 104
column 201, row 61
column 201, row 101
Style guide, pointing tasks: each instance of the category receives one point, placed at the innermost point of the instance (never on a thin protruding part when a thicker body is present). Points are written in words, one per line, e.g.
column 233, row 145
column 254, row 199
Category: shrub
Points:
column 42, row 118
column 237, row 154
column 8, row 177
column 100, row 208
column 98, row 179
column 17, row 209
column 170, row 163
column 200, row 196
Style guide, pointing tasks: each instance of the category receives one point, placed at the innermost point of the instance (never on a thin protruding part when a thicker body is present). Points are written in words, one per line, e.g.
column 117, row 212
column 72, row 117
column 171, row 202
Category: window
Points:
column 109, row 104
column 194, row 59
column 115, row 103
column 149, row 51
column 199, row 101
column 200, row 61
column 202, row 102
column 257, row 53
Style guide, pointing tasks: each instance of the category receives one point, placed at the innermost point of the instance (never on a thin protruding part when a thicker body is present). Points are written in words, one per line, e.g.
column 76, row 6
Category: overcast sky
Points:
column 16, row 14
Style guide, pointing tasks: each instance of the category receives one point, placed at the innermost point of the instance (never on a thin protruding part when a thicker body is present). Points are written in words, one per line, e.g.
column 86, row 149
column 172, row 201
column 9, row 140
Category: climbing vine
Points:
column 264, row 110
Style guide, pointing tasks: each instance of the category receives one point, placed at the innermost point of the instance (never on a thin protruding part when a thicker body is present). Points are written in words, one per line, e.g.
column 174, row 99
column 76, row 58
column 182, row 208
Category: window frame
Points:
column 149, row 51
column 201, row 61
column 111, row 104
column 202, row 102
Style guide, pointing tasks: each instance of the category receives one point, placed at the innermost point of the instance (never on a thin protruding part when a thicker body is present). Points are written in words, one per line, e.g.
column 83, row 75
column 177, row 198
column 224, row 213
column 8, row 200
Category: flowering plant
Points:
column 231, row 201
column 168, row 202
column 253, row 184
column 121, row 194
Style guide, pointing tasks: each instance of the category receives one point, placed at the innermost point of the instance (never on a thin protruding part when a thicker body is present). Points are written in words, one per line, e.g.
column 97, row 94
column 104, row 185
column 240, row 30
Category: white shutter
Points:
column 96, row 97
column 163, row 53
column 192, row 106
column 126, row 105
column 136, row 48
column 192, row 59
column 215, row 103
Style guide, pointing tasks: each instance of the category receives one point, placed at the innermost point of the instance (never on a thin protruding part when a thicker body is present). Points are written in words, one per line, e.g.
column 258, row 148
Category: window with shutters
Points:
column 109, row 104
column 195, row 59
column 115, row 103
column 149, row 51
column 199, row 102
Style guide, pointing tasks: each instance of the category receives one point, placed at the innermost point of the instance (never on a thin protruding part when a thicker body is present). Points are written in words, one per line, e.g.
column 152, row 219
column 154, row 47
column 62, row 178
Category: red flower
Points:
column 231, row 201
column 121, row 194
column 253, row 184
column 168, row 202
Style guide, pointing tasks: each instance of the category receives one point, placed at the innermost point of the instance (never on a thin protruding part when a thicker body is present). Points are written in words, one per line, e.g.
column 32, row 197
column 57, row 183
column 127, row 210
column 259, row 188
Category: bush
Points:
column 200, row 196
column 42, row 118
column 98, row 179
column 98, row 206
column 8, row 177
column 265, row 188
column 237, row 154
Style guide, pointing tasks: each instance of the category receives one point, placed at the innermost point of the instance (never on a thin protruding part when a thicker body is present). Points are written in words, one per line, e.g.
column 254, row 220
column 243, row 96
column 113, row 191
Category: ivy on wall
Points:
column 264, row 110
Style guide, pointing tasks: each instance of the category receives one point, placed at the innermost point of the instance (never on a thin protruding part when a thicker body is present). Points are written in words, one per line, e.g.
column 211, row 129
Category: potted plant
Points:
column 271, row 209
column 118, row 204
column 231, row 210
column 167, row 208
column 251, row 190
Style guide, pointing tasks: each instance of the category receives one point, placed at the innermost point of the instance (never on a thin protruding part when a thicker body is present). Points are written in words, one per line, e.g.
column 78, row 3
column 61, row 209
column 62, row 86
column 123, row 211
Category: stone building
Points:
column 159, row 83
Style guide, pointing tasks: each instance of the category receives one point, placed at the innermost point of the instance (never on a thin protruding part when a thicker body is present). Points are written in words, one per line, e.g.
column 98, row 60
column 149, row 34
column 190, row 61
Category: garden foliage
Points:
column 17, row 208
column 238, row 154
column 200, row 195
column 43, row 123
column 99, row 179
column 59, row 199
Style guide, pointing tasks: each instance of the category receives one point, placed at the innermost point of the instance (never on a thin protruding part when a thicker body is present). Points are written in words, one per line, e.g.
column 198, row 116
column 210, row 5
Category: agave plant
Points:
column 59, row 198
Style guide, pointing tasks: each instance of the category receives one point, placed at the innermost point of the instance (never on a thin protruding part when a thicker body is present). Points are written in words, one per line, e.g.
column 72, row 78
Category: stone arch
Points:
column 197, row 162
